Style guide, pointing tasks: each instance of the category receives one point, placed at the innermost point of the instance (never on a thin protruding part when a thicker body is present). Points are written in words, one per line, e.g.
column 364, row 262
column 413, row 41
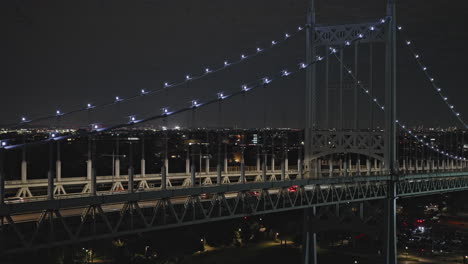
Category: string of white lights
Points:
column 372, row 27
column 425, row 69
column 401, row 125
column 194, row 104
column 188, row 78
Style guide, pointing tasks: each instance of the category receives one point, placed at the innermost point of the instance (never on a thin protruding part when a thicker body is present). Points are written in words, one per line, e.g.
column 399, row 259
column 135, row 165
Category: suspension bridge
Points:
column 335, row 162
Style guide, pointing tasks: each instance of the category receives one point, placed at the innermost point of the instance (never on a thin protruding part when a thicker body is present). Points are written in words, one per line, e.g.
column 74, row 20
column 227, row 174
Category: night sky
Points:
column 64, row 54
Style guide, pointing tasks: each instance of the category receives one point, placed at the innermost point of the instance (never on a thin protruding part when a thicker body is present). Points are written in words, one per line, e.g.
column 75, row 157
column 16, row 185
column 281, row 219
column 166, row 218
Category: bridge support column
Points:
column 130, row 170
column 207, row 165
column 283, row 170
column 218, row 173
column 2, row 180
column 50, row 173
column 286, row 163
column 351, row 167
column 358, row 165
column 330, row 167
column 58, row 170
column 225, row 165
column 272, row 162
column 404, row 165
column 93, row 187
column 143, row 168
column 368, row 167
column 345, row 168
column 58, row 164
column 242, row 169
column 264, row 168
column 299, row 169
column 163, row 178
column 192, row 175
column 341, row 167
column 89, row 169
column 24, row 171
column 259, row 167
column 187, row 165
column 117, row 167
column 376, row 166
column 166, row 165
column 309, row 244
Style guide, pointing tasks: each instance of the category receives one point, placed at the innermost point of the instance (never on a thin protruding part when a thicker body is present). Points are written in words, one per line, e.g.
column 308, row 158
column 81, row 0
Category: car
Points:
column 253, row 193
column 206, row 195
column 293, row 188
column 11, row 200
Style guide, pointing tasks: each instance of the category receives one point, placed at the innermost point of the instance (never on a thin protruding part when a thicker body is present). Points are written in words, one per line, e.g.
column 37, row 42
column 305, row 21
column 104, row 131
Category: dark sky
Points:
column 64, row 54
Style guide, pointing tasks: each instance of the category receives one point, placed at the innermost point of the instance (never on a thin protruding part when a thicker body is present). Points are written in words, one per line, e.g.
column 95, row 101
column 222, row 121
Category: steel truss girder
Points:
column 338, row 34
column 370, row 143
column 166, row 212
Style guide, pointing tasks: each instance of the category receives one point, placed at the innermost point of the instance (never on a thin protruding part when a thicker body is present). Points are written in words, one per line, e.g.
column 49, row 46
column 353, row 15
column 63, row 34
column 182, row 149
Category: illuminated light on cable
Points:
column 403, row 126
column 382, row 107
column 143, row 91
column 416, row 56
column 333, row 50
column 285, row 73
column 259, row 49
column 457, row 114
column 220, row 95
column 302, row 65
column 273, row 42
column 166, row 84
column 226, row 63
column 300, row 28
column 132, row 118
column 23, row 119
column 360, row 35
column 372, row 28
column 400, row 28
column 52, row 135
column 4, row 143
column 266, row 80
column 58, row 112
column 382, row 20
column 445, row 98
column 375, row 99
column 451, row 107
column 438, row 89
column 367, row 91
column 243, row 56
column 396, row 121
column 187, row 77
column 245, row 88
column 347, row 43
column 207, row 70
column 96, row 126
column 286, row 35
column 431, row 79
column 194, row 103
column 424, row 68
column 89, row 106
column 117, row 99
column 408, row 42
column 164, row 110
column 350, row 72
column 319, row 58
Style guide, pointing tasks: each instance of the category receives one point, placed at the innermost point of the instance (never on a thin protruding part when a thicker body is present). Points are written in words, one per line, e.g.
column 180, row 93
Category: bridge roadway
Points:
column 31, row 189
column 124, row 213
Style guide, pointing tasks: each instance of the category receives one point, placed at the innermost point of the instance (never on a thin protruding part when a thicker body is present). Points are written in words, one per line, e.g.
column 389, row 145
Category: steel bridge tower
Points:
column 314, row 39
